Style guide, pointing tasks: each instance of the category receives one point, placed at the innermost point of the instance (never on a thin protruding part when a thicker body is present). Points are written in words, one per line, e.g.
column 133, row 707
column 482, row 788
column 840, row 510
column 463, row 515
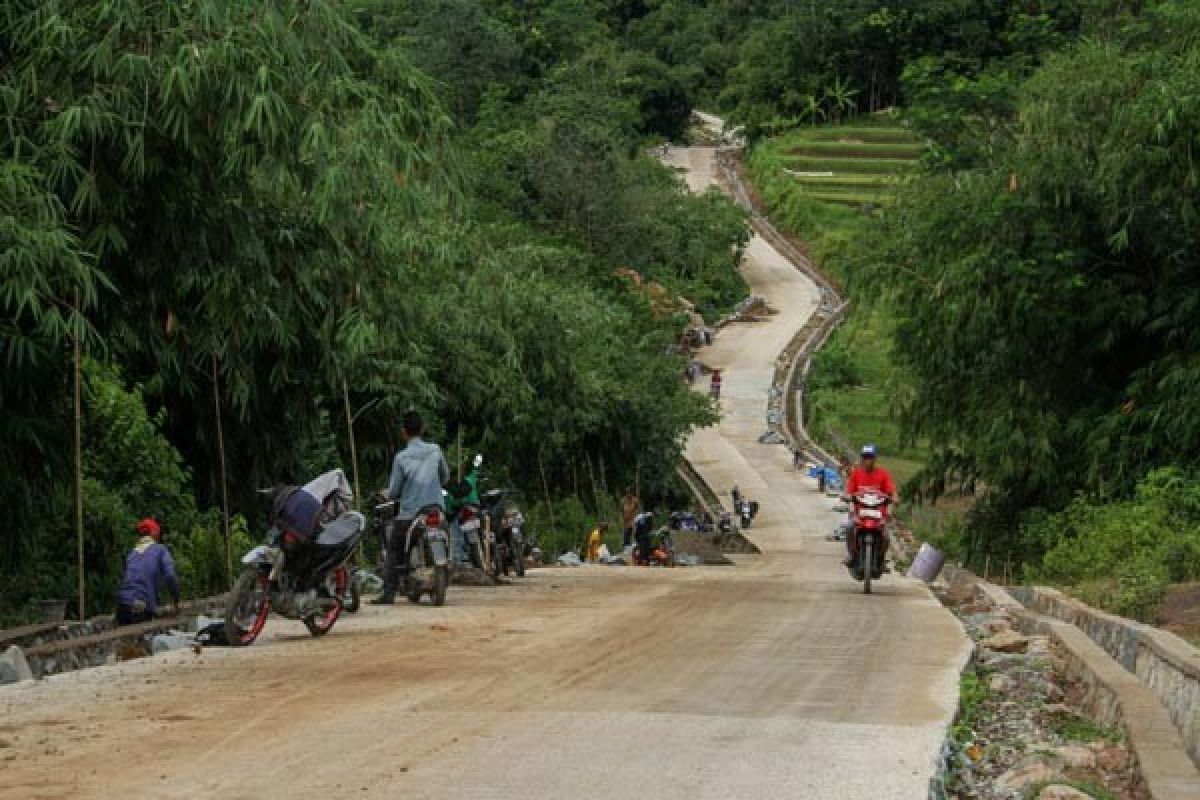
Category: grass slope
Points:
column 853, row 388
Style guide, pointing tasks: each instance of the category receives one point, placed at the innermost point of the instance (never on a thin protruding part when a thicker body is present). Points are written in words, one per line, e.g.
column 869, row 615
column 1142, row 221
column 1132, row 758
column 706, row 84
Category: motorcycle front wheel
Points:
column 247, row 608
column 867, row 559
column 321, row 624
column 519, row 560
column 477, row 555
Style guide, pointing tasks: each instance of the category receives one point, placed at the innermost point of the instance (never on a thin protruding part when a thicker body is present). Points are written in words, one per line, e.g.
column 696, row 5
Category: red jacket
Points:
column 877, row 478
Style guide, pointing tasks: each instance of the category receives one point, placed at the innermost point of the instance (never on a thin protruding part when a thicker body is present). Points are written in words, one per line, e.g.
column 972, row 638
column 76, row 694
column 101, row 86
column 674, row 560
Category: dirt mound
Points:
column 463, row 575
column 736, row 543
column 706, row 548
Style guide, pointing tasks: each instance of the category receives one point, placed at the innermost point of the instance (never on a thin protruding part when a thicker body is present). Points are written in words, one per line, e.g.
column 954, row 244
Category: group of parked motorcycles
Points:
column 315, row 582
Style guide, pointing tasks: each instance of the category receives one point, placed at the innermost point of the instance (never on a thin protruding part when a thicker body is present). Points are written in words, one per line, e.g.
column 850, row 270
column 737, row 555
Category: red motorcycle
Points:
column 870, row 523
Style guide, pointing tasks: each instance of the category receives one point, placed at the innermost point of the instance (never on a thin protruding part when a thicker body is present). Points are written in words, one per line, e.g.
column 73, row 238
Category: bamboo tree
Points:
column 77, row 369
column 224, row 480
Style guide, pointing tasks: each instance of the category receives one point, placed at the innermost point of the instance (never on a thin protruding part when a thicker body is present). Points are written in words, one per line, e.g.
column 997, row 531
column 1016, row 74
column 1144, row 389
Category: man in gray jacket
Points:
column 418, row 473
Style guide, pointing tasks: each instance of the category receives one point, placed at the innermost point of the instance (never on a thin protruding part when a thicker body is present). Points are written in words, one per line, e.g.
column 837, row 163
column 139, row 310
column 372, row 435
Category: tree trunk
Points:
column 216, row 381
column 77, row 367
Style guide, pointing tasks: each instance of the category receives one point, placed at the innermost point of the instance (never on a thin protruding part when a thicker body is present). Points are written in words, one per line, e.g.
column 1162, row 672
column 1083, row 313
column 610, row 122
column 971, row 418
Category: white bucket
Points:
column 927, row 564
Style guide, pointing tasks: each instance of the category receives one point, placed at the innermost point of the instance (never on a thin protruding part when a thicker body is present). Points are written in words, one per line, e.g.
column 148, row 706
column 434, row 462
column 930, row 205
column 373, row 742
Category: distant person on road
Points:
column 419, row 472
column 714, row 385
column 148, row 565
column 867, row 475
column 630, row 506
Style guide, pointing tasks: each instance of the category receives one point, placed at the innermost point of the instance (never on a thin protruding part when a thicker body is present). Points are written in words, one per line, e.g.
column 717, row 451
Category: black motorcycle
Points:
column 747, row 511
column 505, row 531
column 428, row 548
column 308, row 581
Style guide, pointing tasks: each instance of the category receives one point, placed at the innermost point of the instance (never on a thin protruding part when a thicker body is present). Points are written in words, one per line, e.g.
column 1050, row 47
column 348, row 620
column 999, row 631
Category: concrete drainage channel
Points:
column 1045, row 713
column 36, row 651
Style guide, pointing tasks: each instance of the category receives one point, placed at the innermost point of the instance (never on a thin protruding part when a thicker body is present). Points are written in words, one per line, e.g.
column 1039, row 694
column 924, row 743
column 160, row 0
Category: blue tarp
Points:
column 833, row 479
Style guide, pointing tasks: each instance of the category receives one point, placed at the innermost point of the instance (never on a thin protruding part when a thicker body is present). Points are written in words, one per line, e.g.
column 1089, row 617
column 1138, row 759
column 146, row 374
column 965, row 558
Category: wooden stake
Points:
column 77, row 366
column 224, row 482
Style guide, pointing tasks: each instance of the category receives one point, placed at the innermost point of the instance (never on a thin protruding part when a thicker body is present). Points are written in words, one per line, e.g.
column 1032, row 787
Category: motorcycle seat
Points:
column 342, row 529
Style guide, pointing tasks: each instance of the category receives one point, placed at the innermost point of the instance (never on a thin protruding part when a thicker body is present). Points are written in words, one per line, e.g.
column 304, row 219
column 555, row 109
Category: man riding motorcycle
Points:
column 418, row 473
column 867, row 475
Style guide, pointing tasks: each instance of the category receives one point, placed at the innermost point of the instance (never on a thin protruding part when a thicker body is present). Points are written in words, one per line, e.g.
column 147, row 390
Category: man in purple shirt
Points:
column 148, row 564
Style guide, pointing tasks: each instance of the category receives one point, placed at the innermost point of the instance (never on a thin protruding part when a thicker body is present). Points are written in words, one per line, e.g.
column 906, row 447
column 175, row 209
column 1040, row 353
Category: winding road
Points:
column 773, row 678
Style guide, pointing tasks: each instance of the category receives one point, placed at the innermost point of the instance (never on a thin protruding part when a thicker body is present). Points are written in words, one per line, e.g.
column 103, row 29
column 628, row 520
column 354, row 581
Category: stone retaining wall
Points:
column 1166, row 664
column 1112, row 695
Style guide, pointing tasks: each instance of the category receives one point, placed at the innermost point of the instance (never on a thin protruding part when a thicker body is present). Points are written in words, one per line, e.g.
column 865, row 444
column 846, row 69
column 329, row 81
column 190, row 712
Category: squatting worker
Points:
column 593, row 542
column 418, row 473
column 867, row 475
column 148, row 565
column 629, row 511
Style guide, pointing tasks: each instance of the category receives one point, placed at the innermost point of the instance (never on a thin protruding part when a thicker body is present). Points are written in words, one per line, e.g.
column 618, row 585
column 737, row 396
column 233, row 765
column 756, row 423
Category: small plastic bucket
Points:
column 927, row 564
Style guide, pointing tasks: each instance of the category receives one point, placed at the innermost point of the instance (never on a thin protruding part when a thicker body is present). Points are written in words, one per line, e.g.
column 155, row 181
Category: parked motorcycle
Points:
column 870, row 522
column 428, row 548
column 505, row 532
column 307, row 581
column 661, row 552
column 683, row 521
column 470, row 521
column 747, row 511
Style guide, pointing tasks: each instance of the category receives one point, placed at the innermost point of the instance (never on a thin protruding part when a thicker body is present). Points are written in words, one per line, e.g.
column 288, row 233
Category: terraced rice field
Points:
column 849, row 165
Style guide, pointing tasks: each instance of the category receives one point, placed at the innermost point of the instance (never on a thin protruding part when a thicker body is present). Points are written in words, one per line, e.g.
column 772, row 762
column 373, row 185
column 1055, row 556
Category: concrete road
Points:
column 774, row 678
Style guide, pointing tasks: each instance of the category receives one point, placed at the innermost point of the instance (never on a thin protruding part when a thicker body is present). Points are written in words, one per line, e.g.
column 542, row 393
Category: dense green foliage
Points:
column 1123, row 554
column 289, row 209
column 1048, row 292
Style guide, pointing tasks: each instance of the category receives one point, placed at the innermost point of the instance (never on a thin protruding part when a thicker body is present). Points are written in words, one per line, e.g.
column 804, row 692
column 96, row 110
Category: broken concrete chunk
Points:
column 162, row 642
column 1076, row 756
column 13, row 666
column 1058, row 791
column 1001, row 684
column 1006, row 642
column 1028, row 773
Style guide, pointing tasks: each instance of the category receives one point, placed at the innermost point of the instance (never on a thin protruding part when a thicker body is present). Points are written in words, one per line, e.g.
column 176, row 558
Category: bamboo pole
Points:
column 353, row 447
column 595, row 486
column 77, row 368
column 546, row 489
column 224, row 481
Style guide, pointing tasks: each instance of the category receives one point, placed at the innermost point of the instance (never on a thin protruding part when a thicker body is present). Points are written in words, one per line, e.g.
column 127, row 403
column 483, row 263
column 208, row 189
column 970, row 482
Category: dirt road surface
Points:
column 773, row 678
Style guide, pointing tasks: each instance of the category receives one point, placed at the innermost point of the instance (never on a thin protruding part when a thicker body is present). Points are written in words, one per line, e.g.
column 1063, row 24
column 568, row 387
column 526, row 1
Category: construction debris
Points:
column 13, row 666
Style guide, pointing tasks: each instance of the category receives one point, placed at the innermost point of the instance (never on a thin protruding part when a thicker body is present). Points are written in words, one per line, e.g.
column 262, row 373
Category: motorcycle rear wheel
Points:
column 242, row 603
column 441, row 581
column 868, row 565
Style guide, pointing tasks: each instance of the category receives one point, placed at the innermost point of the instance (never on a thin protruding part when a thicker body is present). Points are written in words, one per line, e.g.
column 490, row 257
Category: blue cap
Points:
column 869, row 451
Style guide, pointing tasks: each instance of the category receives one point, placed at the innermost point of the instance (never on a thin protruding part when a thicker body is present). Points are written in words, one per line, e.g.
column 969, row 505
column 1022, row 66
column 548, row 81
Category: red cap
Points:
column 148, row 527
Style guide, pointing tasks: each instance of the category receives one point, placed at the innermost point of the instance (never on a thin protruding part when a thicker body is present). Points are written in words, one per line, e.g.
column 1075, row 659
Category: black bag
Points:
column 212, row 635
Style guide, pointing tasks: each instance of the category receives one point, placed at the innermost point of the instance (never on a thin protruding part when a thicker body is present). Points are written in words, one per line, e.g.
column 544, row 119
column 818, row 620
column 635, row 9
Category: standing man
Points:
column 148, row 564
column 641, row 531
column 629, row 511
column 714, row 385
column 867, row 475
column 418, row 473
